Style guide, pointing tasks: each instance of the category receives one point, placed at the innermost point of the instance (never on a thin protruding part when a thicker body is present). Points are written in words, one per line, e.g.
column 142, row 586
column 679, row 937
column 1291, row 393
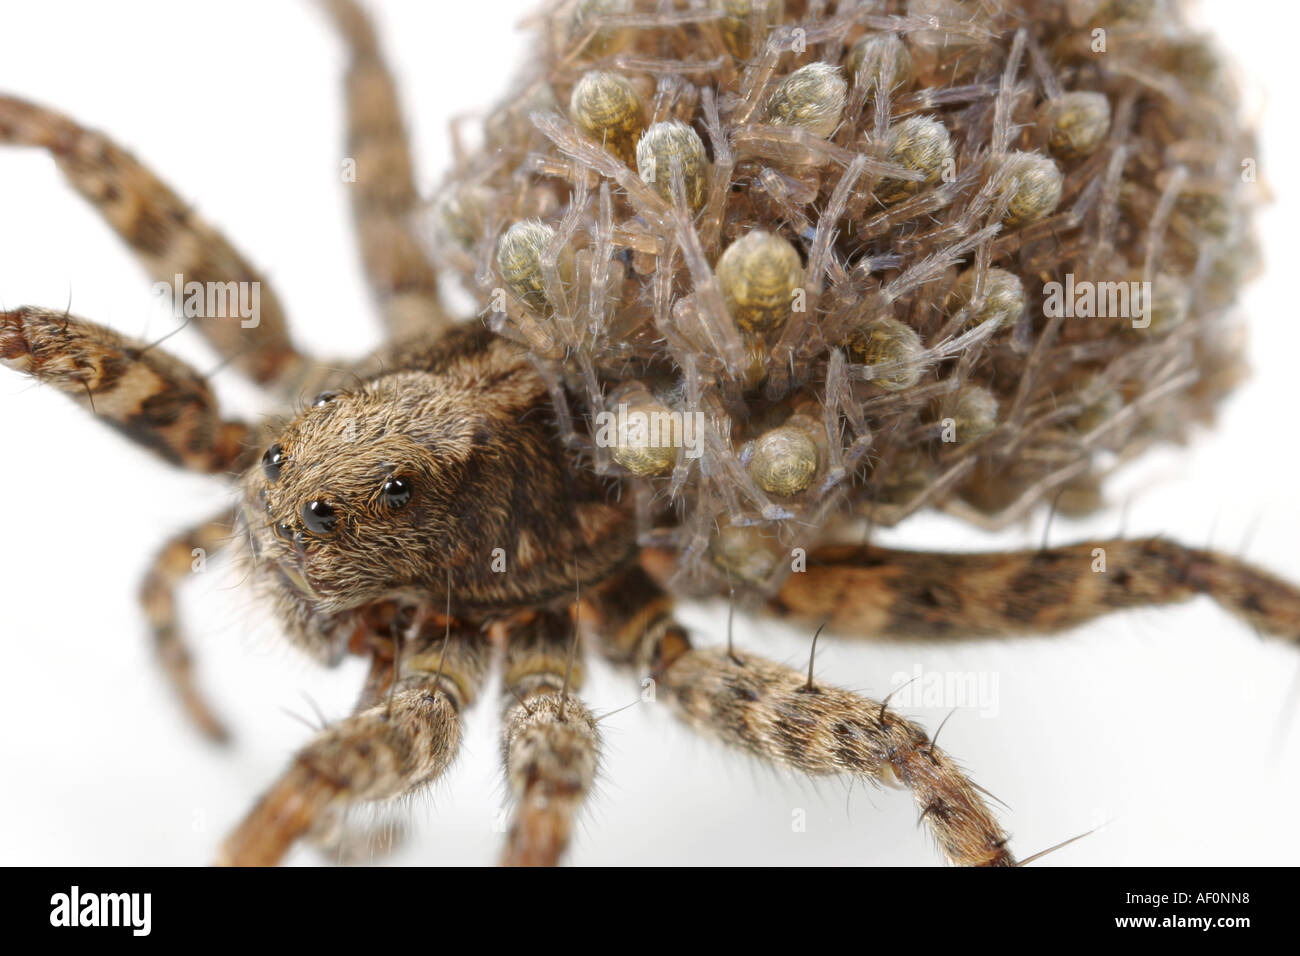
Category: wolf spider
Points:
column 371, row 519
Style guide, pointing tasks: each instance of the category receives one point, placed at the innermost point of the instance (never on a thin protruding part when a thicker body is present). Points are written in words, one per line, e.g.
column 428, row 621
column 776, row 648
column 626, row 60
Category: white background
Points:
column 1172, row 726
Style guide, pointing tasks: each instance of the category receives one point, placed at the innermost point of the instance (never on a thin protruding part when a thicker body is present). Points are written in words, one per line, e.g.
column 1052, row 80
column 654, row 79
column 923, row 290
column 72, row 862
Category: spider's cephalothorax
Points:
column 388, row 491
column 826, row 250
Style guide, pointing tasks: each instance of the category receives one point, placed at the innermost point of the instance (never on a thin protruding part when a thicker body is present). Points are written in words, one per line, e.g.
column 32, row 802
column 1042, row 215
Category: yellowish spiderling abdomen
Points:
column 1003, row 298
column 876, row 55
column 647, row 437
column 462, row 214
column 606, row 106
column 1035, row 185
column 811, row 98
column 973, row 412
column 745, row 553
column 1167, row 307
column 760, row 273
column 891, row 345
column 670, row 145
column 923, row 145
column 784, row 460
column 1075, row 123
column 520, row 252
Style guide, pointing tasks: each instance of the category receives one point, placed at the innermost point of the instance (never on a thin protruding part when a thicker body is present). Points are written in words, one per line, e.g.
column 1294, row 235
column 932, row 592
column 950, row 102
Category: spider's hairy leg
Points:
column 167, row 238
column 550, row 742
column 342, row 839
column 775, row 713
column 384, row 752
column 339, row 834
column 876, row 591
column 175, row 562
column 383, row 191
column 151, row 397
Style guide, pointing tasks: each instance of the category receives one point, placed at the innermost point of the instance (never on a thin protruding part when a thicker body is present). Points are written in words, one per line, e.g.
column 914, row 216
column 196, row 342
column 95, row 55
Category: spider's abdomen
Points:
column 862, row 258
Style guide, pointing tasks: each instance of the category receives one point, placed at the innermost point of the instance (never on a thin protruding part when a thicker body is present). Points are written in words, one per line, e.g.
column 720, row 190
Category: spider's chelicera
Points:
column 803, row 253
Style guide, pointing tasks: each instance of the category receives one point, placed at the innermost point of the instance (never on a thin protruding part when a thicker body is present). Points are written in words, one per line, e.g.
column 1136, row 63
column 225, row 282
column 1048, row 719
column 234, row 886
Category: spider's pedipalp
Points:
column 927, row 595
column 382, row 183
column 177, row 559
column 170, row 241
column 148, row 395
column 550, row 742
column 390, row 749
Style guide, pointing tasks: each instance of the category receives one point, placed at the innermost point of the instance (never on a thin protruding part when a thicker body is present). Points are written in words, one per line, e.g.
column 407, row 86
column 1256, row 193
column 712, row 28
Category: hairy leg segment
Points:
column 549, row 738
column 174, row 563
column 167, row 237
column 379, row 174
column 914, row 594
column 388, row 750
column 156, row 400
column 781, row 715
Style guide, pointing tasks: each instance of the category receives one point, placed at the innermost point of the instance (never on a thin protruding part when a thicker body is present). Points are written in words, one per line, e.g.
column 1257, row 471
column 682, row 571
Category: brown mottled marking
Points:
column 156, row 400
column 386, row 751
column 768, row 710
column 771, row 711
column 384, row 195
column 173, row 564
column 907, row 594
column 550, row 742
column 167, row 237
column 483, row 472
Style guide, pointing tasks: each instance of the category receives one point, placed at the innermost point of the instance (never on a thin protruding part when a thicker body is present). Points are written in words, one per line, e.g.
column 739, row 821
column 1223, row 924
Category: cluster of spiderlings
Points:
column 859, row 258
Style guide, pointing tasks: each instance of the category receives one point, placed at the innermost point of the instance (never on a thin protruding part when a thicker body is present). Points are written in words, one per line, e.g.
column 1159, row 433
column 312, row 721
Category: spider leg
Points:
column 775, row 713
column 154, row 399
column 550, row 742
column 175, row 562
column 347, row 841
column 876, row 591
column 167, row 237
column 339, row 834
column 383, row 752
column 383, row 189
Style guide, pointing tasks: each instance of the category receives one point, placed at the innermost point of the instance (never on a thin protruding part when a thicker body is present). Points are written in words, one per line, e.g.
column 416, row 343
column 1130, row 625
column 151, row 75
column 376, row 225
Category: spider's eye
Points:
column 324, row 398
column 283, row 531
column 396, row 492
column 319, row 517
column 272, row 462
